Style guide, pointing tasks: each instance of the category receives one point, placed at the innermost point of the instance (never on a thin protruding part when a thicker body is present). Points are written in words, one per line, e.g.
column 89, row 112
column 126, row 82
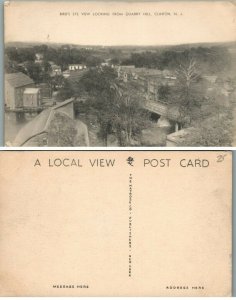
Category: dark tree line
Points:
column 61, row 56
column 210, row 60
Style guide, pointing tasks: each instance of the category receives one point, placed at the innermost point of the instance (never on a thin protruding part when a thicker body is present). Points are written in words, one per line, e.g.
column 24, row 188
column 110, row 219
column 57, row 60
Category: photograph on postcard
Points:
column 120, row 74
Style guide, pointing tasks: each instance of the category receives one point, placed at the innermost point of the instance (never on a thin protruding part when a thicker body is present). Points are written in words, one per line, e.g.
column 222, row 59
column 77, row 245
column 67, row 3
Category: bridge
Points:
column 162, row 109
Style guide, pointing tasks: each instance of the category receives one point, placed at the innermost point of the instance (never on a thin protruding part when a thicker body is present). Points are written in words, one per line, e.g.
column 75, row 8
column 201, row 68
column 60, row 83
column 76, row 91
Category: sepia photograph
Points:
column 120, row 74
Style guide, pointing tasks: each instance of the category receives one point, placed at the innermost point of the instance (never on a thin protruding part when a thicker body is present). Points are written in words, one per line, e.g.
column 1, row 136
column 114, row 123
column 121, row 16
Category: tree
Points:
column 12, row 54
column 164, row 92
column 97, row 82
column 9, row 66
column 61, row 131
column 41, row 48
column 46, row 66
column 34, row 71
column 66, row 91
column 189, row 91
column 93, row 61
column 117, row 105
column 213, row 132
column 127, row 112
column 58, row 82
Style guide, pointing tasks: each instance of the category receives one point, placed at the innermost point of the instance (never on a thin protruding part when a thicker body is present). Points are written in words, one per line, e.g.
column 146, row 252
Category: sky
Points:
column 142, row 23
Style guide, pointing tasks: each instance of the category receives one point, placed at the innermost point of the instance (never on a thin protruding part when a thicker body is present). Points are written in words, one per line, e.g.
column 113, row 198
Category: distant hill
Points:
column 124, row 47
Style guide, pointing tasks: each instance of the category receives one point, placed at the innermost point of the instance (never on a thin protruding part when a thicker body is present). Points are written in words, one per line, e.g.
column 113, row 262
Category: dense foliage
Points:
column 61, row 56
column 210, row 60
column 116, row 105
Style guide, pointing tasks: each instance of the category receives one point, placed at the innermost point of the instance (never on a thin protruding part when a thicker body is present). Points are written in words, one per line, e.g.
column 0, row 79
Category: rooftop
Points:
column 18, row 79
column 76, row 75
column 125, row 67
column 38, row 125
column 29, row 91
column 53, row 67
column 146, row 71
column 82, row 65
column 63, row 103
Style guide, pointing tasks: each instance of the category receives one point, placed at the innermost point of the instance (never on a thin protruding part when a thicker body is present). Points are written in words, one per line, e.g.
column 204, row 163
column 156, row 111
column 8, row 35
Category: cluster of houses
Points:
column 149, row 79
column 56, row 70
column 22, row 92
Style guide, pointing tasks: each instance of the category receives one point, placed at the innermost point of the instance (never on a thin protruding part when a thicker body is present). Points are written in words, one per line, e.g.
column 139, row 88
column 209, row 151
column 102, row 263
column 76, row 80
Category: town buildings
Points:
column 149, row 80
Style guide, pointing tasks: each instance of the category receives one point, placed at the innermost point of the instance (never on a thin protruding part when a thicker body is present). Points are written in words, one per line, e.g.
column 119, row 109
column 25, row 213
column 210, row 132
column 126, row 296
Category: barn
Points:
column 15, row 85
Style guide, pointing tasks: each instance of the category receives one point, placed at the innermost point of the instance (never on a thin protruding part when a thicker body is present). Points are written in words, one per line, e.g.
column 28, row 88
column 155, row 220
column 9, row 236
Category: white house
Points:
column 75, row 67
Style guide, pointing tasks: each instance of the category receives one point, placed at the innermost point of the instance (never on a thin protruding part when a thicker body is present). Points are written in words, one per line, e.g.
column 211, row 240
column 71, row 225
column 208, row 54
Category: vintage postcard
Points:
column 120, row 74
column 115, row 223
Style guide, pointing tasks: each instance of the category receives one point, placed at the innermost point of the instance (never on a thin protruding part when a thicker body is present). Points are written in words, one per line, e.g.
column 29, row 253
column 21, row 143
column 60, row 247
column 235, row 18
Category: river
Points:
column 154, row 136
column 12, row 126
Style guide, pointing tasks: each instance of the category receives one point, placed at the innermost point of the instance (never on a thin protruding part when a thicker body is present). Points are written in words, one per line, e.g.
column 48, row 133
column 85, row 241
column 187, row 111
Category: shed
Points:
column 32, row 97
